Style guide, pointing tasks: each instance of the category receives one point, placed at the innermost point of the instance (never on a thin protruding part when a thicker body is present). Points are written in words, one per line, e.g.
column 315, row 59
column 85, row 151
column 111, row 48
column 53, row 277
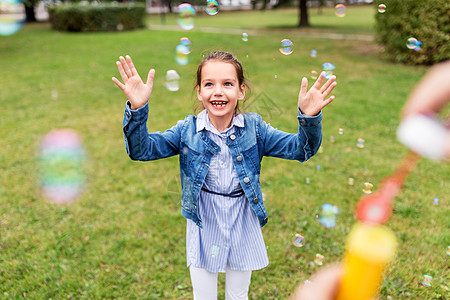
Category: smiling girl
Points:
column 220, row 153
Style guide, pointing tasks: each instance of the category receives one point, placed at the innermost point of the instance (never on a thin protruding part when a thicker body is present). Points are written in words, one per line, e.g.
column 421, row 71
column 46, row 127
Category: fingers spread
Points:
column 125, row 66
column 150, row 77
column 122, row 71
column 118, row 83
column 328, row 83
column 130, row 63
column 319, row 81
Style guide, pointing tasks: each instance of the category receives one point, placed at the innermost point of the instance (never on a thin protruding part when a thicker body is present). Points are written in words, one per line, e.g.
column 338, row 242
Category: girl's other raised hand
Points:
column 137, row 92
column 313, row 101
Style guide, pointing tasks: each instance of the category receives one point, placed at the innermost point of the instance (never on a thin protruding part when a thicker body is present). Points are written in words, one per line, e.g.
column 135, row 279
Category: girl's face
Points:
column 219, row 89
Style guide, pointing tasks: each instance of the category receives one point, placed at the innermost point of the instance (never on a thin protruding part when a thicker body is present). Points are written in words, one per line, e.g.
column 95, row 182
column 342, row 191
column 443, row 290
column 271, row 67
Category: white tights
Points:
column 204, row 284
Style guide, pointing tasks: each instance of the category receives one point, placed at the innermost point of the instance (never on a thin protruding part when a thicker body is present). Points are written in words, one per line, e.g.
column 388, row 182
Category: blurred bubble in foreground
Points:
column 186, row 15
column 382, row 8
column 12, row 16
column 245, row 37
column 172, row 81
column 62, row 158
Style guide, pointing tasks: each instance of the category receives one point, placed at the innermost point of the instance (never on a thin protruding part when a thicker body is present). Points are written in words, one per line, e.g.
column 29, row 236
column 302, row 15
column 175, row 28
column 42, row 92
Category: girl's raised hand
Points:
column 313, row 101
column 137, row 92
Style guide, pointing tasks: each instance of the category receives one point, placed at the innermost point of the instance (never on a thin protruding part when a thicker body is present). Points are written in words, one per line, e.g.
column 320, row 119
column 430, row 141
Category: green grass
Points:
column 125, row 237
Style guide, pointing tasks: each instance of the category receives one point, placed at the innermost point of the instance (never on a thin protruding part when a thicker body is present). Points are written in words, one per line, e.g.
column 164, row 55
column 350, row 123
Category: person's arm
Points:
column 322, row 286
column 431, row 94
column 137, row 92
column 306, row 142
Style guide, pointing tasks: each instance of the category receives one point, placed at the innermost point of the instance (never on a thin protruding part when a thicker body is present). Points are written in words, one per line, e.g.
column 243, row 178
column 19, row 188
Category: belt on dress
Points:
column 233, row 194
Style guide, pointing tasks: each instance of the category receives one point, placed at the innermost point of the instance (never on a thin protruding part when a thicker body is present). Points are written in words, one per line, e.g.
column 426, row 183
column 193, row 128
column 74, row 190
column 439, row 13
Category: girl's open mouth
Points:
column 219, row 104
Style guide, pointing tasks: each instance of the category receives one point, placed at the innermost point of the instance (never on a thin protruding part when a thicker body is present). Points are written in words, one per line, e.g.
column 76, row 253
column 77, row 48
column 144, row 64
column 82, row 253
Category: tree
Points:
column 303, row 14
column 29, row 9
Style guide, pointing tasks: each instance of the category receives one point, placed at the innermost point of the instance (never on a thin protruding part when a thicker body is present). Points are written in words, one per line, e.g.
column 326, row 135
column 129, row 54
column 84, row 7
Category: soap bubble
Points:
column 186, row 15
column 367, row 188
column 427, row 280
column 212, row 7
column 340, row 10
column 360, row 143
column 413, row 44
column 172, row 81
column 307, row 180
column 328, row 215
column 341, row 131
column 286, row 47
column 436, row 201
column 12, row 16
column 245, row 37
column 313, row 53
column 332, row 139
column 351, row 181
column 381, row 8
column 187, row 43
column 181, row 55
column 214, row 251
column 314, row 74
column 298, row 242
column 61, row 164
column 448, row 250
column 319, row 259
column 329, row 69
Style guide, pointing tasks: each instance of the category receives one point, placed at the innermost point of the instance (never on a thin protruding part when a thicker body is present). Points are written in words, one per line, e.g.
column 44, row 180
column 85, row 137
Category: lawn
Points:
column 124, row 238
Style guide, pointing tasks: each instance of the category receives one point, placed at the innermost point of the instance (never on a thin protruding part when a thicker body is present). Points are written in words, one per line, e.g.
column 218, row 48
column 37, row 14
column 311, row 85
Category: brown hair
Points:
column 223, row 57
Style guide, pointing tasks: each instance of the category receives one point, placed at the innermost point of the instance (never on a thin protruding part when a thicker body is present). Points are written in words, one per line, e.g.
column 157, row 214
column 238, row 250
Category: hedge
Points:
column 428, row 21
column 97, row 17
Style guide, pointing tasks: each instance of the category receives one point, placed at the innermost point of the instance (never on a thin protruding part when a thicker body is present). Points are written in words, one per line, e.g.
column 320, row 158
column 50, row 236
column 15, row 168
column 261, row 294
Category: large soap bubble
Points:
column 12, row 16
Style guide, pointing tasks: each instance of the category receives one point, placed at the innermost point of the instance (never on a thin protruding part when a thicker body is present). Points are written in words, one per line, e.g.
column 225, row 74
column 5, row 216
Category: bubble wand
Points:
column 370, row 245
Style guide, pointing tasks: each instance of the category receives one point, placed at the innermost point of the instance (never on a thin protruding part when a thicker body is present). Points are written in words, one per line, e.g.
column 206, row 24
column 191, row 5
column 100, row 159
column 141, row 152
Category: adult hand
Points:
column 313, row 101
column 431, row 94
column 323, row 285
column 137, row 92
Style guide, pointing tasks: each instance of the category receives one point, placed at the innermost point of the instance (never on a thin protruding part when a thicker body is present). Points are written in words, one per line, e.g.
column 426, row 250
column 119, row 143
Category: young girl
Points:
column 220, row 161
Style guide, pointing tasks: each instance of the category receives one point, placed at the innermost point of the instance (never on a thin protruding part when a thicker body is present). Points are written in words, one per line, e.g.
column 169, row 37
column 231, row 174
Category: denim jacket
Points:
column 247, row 146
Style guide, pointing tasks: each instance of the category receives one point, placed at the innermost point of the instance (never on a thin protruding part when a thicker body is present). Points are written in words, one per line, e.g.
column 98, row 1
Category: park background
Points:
column 124, row 238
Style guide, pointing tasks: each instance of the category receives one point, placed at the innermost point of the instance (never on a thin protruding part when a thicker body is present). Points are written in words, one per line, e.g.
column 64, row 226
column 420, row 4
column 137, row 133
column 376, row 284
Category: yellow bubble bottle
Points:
column 370, row 248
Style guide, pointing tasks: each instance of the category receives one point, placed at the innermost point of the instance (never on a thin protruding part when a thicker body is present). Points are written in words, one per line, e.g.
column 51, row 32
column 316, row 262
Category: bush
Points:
column 99, row 17
column 428, row 21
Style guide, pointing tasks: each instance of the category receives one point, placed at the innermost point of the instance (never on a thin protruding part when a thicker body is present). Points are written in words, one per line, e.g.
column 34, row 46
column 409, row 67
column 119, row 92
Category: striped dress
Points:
column 231, row 233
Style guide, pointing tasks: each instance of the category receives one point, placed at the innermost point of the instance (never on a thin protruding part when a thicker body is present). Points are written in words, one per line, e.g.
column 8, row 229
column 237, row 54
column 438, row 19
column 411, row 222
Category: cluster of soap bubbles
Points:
column 413, row 44
column 62, row 158
column 182, row 51
column 12, row 16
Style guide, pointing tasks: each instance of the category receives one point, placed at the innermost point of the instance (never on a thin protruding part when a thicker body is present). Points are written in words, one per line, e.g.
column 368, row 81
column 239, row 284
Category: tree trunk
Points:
column 303, row 11
column 29, row 12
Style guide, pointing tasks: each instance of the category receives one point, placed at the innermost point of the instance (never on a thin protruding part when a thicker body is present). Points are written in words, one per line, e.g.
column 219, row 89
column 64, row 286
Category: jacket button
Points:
column 232, row 137
column 266, row 219
column 255, row 200
column 246, row 180
column 239, row 158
